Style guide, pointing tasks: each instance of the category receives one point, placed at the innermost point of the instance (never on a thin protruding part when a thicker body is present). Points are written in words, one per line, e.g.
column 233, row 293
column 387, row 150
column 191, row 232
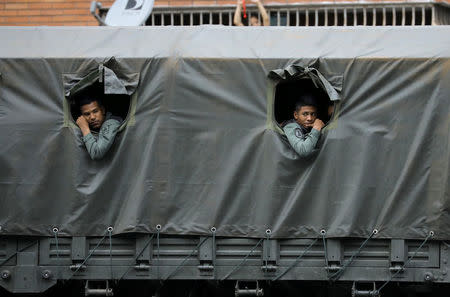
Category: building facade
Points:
column 199, row 12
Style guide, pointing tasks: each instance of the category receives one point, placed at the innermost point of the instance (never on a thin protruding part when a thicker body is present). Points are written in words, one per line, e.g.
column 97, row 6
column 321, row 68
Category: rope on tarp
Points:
column 268, row 232
column 158, row 229
column 110, row 229
column 430, row 234
column 90, row 254
column 335, row 276
column 137, row 256
column 297, row 260
column 186, row 258
column 243, row 260
column 19, row 251
column 213, row 231
column 323, row 233
column 55, row 232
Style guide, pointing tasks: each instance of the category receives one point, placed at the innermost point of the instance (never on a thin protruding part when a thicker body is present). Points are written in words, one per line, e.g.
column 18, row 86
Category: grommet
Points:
column 5, row 274
column 213, row 229
column 323, row 232
column 268, row 231
column 55, row 230
column 158, row 227
column 375, row 231
column 110, row 229
column 431, row 233
column 428, row 277
column 46, row 274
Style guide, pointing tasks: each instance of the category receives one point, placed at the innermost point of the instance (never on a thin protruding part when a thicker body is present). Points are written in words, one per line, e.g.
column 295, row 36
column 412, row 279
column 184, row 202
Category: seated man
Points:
column 98, row 127
column 303, row 131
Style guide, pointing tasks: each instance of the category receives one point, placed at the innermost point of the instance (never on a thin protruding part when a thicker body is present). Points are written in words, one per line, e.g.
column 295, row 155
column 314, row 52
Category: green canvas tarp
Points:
column 200, row 147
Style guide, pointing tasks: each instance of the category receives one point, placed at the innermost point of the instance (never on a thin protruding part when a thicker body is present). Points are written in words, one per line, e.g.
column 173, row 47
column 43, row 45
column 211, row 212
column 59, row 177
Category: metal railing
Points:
column 398, row 14
column 314, row 15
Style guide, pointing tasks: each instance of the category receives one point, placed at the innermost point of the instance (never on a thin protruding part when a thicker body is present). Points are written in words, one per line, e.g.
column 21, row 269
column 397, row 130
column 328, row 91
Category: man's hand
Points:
column 318, row 124
column 84, row 125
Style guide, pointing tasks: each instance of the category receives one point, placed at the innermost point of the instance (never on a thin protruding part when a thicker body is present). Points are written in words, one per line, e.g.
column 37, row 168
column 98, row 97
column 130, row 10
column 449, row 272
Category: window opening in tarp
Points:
column 117, row 104
column 110, row 81
column 294, row 79
column 287, row 93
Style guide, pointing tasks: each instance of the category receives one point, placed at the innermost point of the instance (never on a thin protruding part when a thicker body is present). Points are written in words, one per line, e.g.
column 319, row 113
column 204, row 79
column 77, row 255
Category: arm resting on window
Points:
column 302, row 146
column 97, row 148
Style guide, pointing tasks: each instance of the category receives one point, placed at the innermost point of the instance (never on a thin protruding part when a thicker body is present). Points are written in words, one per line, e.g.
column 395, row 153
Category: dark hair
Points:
column 305, row 99
column 87, row 100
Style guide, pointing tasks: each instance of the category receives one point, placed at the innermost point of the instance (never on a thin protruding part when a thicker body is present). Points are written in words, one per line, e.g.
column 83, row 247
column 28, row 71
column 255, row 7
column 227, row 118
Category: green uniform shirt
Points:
column 302, row 142
column 98, row 144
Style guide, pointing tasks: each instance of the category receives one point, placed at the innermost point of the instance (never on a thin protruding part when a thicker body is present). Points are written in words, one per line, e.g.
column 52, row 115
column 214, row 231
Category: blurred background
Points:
column 220, row 12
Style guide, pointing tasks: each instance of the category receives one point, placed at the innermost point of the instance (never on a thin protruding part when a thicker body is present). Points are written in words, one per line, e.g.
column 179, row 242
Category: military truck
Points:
column 201, row 193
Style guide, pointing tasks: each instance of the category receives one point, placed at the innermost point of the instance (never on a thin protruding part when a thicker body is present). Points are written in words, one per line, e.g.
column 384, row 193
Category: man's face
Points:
column 306, row 116
column 254, row 21
column 94, row 114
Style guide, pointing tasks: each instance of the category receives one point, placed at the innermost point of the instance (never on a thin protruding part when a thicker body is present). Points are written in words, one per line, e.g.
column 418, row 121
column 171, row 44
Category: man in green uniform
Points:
column 303, row 131
column 98, row 127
